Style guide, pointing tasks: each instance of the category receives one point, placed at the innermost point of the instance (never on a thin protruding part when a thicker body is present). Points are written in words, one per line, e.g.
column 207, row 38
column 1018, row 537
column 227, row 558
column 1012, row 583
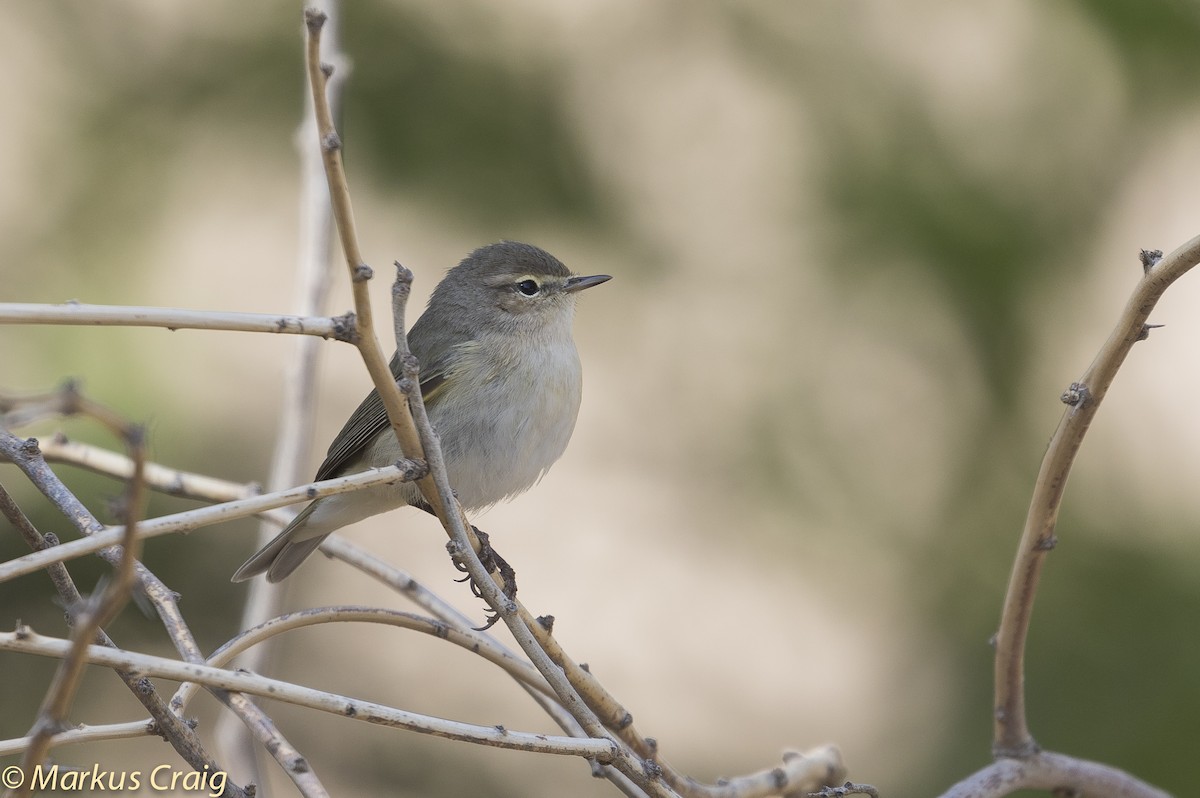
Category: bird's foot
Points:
column 493, row 563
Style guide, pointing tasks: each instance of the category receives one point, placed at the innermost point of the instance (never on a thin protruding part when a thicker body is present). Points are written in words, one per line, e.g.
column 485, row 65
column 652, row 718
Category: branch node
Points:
column 345, row 327
column 401, row 289
column 1076, row 395
column 69, row 395
column 1149, row 257
column 1145, row 331
column 546, row 622
column 362, row 273
column 411, row 470
column 410, row 367
column 403, row 273
column 1022, row 750
column 1046, row 543
column 326, row 69
column 314, row 19
column 331, row 142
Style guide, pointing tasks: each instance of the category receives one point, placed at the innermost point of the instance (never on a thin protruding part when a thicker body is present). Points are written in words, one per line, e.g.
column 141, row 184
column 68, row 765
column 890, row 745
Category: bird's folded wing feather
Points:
column 371, row 418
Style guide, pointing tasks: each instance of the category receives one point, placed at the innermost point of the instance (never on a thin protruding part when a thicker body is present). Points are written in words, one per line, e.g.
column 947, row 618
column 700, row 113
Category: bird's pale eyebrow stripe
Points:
column 506, row 280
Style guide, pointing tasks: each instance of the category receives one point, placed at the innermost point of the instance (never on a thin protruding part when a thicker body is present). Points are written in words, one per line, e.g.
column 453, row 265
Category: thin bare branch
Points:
column 469, row 640
column 91, row 616
column 163, row 721
column 103, row 538
column 75, row 313
column 1054, row 773
column 59, row 449
column 68, row 400
column 264, row 730
column 84, row 733
column 298, row 399
column 26, row 641
column 1011, row 730
column 339, row 194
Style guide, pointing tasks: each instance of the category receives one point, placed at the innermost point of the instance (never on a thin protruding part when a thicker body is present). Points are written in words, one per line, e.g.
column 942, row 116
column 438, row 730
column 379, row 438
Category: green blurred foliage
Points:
column 485, row 139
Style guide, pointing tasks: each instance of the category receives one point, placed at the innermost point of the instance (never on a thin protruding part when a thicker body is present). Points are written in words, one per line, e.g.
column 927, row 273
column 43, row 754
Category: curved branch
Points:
column 28, row 642
column 1011, row 732
column 1054, row 773
column 472, row 641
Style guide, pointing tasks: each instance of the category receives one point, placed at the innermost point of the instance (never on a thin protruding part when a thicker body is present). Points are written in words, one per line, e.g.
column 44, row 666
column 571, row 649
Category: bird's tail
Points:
column 284, row 554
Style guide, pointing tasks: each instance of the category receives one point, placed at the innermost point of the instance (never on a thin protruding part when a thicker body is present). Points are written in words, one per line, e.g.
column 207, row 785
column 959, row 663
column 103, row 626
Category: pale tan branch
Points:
column 263, row 729
column 1011, row 730
column 401, row 581
column 85, row 734
column 799, row 774
column 298, row 397
column 434, row 487
column 201, row 517
column 340, row 548
column 469, row 640
column 91, row 616
column 182, row 738
column 339, row 195
column 75, row 313
column 26, row 641
column 1055, row 773
column 59, row 449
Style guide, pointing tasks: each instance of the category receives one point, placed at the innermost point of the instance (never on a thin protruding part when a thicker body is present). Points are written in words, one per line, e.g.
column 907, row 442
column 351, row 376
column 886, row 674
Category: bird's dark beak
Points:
column 579, row 283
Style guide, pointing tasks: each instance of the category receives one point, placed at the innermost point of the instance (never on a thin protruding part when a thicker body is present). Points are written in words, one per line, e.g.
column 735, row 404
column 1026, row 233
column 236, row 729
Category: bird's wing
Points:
column 371, row 418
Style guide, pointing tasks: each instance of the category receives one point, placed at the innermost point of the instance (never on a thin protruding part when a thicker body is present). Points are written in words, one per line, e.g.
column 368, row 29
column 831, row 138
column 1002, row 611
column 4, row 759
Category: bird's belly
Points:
column 504, row 443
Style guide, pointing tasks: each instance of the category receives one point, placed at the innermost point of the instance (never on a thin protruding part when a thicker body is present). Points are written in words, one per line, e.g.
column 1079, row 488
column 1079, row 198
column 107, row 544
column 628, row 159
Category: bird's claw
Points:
column 492, row 563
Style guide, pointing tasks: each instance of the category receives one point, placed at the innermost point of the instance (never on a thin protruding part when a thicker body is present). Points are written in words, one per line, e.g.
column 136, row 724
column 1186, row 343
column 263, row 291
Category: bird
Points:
column 501, row 380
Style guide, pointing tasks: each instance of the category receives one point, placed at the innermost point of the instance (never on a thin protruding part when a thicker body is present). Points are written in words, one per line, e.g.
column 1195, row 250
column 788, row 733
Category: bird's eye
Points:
column 529, row 287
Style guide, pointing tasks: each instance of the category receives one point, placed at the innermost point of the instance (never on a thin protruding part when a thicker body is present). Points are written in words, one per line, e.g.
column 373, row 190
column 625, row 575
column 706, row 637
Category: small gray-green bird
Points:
column 501, row 381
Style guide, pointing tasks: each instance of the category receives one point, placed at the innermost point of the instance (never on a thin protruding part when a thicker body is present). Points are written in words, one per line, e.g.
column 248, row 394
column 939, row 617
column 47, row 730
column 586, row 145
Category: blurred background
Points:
column 859, row 250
